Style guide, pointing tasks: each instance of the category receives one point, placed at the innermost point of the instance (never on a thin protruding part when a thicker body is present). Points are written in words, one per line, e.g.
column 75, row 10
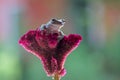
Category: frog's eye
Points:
column 53, row 19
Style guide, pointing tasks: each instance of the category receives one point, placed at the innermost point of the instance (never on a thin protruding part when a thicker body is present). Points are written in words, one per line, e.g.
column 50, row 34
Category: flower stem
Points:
column 56, row 76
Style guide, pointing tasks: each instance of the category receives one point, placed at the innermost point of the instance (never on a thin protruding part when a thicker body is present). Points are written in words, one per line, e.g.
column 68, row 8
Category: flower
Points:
column 50, row 45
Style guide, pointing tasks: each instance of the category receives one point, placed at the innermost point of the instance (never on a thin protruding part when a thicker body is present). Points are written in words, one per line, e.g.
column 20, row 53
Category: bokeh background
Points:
column 98, row 21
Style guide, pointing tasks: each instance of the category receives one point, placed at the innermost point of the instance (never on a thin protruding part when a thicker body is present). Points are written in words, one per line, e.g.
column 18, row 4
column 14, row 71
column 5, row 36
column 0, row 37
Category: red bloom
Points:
column 50, row 45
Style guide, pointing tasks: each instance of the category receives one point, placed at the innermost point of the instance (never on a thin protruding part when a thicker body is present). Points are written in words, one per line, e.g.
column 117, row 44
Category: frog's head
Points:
column 56, row 24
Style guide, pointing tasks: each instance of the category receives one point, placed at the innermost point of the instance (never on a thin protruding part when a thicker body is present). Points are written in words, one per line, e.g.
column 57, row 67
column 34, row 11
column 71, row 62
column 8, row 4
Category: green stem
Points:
column 56, row 76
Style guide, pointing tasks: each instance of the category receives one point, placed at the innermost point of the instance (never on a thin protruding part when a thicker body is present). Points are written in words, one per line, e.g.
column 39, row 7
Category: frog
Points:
column 53, row 26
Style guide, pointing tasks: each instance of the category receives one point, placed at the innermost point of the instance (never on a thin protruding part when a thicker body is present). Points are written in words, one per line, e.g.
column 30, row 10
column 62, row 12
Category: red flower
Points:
column 50, row 45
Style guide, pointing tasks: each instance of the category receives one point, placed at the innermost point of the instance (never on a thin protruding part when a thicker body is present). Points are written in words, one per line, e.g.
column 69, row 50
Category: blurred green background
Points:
column 98, row 21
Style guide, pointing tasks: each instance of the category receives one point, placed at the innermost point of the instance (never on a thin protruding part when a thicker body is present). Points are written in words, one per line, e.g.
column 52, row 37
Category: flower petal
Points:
column 65, row 46
column 30, row 44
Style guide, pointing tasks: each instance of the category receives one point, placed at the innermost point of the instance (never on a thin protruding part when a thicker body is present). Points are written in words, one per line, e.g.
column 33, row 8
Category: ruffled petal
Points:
column 65, row 47
column 30, row 44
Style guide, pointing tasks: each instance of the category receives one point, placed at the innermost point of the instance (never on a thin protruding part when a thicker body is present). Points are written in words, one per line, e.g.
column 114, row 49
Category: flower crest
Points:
column 50, row 45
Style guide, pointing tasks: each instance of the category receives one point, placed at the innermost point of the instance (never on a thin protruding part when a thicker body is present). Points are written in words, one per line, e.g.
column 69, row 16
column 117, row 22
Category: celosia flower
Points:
column 51, row 46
